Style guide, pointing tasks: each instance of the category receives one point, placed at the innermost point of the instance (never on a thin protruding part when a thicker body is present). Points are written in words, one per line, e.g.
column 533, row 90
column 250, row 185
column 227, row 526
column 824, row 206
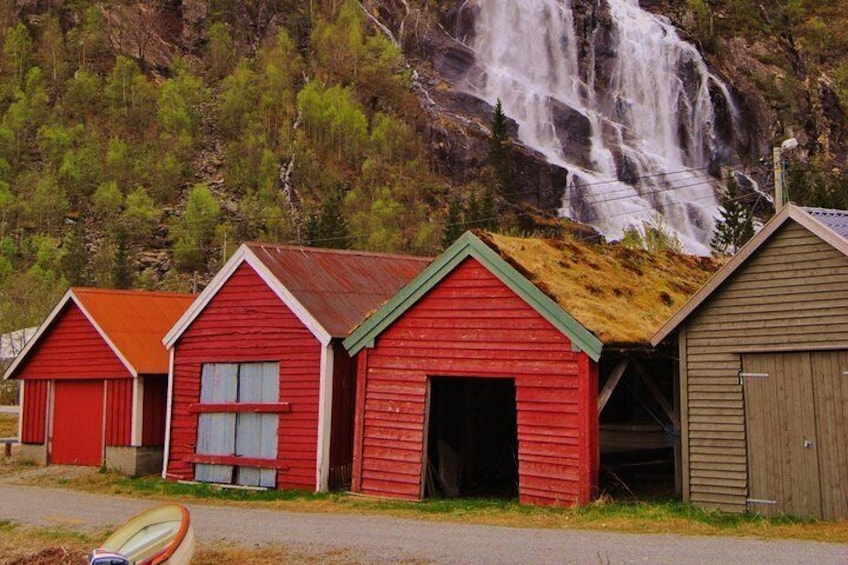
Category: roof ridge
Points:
column 133, row 292
column 356, row 252
column 836, row 211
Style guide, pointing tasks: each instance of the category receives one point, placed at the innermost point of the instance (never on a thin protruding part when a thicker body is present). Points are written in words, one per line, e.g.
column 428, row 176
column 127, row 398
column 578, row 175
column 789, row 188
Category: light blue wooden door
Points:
column 256, row 434
column 216, row 433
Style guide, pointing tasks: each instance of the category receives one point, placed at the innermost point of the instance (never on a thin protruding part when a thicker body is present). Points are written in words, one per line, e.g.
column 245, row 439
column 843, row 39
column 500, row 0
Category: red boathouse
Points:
column 261, row 389
column 93, row 380
column 481, row 376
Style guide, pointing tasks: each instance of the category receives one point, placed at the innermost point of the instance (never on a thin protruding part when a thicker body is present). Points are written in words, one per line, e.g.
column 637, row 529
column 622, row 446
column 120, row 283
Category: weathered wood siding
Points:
column 472, row 325
column 34, row 413
column 119, row 405
column 72, row 349
column 792, row 294
column 154, row 407
column 797, row 432
column 247, row 322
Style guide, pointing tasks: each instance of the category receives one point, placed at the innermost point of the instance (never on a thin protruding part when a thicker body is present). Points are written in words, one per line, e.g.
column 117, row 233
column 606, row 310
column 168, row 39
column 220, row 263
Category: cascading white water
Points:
column 648, row 131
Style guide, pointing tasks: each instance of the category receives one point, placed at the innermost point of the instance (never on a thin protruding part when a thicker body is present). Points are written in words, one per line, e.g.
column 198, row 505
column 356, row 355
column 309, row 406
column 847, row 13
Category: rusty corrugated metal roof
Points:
column 135, row 322
column 338, row 288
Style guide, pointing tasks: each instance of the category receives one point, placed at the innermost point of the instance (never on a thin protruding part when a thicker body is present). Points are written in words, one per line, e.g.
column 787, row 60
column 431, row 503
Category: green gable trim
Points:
column 469, row 245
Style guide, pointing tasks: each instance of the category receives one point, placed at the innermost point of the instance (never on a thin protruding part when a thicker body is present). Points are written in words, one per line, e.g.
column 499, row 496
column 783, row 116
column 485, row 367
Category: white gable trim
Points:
column 42, row 329
column 169, row 407
column 30, row 345
column 288, row 299
column 105, row 337
column 789, row 212
column 137, row 411
column 244, row 255
column 325, row 417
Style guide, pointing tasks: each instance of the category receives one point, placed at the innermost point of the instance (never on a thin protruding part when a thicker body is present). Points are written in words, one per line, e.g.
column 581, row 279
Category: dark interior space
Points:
column 638, row 430
column 472, row 441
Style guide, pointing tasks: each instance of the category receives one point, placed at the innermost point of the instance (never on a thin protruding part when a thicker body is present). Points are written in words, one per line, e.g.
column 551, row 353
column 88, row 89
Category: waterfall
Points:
column 631, row 120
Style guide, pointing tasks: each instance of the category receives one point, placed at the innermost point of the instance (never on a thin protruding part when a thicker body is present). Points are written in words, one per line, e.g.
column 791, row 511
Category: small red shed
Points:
column 261, row 390
column 481, row 375
column 93, row 380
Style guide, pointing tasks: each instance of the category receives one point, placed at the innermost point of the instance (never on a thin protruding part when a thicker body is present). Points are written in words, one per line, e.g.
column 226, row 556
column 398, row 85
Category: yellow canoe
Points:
column 158, row 536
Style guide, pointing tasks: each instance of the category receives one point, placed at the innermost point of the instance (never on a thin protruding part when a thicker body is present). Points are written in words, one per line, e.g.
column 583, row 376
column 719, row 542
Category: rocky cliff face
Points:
column 439, row 38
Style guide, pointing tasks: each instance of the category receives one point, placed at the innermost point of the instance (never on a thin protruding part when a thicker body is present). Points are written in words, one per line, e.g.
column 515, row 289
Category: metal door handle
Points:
column 808, row 444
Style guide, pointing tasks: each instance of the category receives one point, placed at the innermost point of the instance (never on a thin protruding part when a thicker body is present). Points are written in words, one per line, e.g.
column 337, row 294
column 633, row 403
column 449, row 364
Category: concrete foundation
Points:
column 35, row 452
column 135, row 461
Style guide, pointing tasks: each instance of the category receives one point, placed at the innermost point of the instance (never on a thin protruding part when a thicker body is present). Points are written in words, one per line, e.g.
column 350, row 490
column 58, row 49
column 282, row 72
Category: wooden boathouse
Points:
column 261, row 390
column 93, row 380
column 763, row 351
column 481, row 376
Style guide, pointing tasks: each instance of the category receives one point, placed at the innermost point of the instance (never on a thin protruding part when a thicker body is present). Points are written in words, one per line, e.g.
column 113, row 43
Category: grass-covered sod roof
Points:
column 621, row 295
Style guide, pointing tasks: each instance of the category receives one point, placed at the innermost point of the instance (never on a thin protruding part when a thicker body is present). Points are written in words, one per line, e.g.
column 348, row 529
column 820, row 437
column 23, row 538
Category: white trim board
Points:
column 789, row 212
column 245, row 255
column 42, row 329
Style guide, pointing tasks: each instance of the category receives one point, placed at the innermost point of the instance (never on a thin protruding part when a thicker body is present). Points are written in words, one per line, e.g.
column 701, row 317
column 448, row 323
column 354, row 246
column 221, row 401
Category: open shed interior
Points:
column 472, row 438
column 638, row 425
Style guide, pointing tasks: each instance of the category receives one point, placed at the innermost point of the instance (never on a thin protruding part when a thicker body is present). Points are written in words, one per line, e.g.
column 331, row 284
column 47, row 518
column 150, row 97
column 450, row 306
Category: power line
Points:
column 469, row 223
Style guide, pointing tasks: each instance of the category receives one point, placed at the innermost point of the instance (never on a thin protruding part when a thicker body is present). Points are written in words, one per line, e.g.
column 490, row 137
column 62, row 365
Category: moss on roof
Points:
column 621, row 295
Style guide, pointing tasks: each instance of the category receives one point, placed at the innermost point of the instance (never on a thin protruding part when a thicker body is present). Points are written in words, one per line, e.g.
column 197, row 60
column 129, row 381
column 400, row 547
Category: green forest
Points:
column 119, row 174
column 292, row 122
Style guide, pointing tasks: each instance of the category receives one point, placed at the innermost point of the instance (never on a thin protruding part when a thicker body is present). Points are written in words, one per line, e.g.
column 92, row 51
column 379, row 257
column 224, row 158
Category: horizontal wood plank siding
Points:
column 472, row 325
column 34, row 411
column 154, row 408
column 247, row 322
column 793, row 293
column 119, row 404
column 72, row 349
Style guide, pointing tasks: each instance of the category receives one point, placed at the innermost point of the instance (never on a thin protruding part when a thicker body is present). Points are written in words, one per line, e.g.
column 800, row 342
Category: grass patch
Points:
column 656, row 516
column 8, row 425
column 23, row 545
column 27, row 546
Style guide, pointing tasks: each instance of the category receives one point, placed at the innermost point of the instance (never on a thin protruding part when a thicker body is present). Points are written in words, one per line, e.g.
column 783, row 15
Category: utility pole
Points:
column 777, row 155
column 779, row 185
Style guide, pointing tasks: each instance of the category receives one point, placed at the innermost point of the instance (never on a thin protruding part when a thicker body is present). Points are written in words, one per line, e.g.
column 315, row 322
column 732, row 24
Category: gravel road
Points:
column 380, row 539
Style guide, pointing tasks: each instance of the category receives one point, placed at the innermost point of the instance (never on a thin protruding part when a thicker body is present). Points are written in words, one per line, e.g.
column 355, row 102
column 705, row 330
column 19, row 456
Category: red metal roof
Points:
column 338, row 288
column 135, row 322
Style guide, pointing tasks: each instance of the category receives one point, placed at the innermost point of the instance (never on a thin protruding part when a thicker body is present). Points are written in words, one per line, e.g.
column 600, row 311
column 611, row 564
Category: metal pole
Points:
column 778, row 179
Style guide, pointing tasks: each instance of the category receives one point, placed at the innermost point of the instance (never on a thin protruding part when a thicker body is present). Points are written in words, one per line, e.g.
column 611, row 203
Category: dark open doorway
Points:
column 472, row 438
column 638, row 425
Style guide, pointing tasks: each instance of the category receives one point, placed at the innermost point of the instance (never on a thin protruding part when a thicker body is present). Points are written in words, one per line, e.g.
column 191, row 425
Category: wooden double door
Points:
column 796, row 415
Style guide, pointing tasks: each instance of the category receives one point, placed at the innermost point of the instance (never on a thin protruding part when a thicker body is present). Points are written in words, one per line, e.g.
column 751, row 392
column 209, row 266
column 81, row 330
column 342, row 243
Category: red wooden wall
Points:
column 119, row 405
column 472, row 325
column 72, row 349
column 34, row 412
column 155, row 406
column 247, row 322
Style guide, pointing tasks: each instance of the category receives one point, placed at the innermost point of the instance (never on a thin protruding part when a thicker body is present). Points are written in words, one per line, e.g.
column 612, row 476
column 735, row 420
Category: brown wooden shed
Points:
column 763, row 350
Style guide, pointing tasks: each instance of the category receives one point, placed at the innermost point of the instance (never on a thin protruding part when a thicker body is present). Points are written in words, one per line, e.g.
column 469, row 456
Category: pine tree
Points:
column 735, row 227
column 500, row 154
column 74, row 259
column 329, row 228
column 122, row 275
column 453, row 223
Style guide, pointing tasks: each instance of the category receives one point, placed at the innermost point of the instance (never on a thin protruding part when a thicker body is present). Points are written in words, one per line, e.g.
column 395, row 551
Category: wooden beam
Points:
column 609, row 386
column 238, row 461
column 237, row 407
column 657, row 393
